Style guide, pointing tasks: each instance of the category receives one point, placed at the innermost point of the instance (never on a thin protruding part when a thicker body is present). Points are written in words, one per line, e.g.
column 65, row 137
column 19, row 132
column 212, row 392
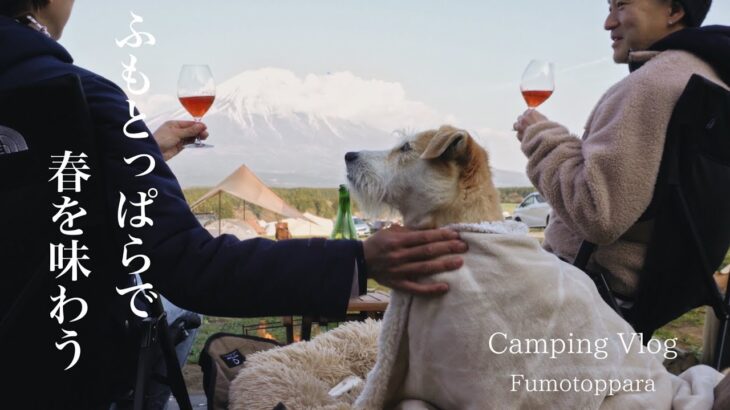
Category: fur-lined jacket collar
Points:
column 709, row 43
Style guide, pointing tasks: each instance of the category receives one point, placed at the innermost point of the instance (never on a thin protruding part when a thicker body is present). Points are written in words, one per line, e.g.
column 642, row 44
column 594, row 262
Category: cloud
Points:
column 381, row 104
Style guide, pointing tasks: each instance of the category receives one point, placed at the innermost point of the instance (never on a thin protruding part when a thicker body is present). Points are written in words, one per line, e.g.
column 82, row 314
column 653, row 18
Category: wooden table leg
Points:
column 306, row 327
column 288, row 322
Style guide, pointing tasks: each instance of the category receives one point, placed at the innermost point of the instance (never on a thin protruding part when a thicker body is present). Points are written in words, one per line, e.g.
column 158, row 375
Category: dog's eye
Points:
column 405, row 147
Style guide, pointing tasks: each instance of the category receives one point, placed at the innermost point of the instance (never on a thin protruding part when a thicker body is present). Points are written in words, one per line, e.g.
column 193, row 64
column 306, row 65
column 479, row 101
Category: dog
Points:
column 498, row 338
column 435, row 178
column 518, row 328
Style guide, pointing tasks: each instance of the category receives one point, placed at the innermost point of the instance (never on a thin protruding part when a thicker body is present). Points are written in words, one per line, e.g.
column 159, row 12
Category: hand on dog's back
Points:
column 397, row 257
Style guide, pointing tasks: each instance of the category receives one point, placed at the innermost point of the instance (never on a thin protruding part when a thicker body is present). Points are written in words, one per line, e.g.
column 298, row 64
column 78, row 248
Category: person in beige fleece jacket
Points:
column 601, row 184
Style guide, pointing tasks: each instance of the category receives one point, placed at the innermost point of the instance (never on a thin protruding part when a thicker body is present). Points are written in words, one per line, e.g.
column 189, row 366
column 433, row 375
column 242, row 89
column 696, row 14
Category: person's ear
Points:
column 676, row 13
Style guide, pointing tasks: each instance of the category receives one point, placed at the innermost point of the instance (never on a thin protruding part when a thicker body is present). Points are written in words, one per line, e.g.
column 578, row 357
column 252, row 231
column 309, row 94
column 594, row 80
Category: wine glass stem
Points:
column 198, row 141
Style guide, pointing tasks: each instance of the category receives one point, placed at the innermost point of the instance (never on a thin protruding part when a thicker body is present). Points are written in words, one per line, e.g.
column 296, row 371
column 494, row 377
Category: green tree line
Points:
column 318, row 201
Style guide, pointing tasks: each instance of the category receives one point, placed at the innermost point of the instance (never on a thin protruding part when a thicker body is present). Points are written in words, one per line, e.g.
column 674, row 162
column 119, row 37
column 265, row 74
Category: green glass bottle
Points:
column 344, row 225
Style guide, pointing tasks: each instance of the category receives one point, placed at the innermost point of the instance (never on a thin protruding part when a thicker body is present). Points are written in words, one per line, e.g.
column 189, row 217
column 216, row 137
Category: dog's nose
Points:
column 351, row 156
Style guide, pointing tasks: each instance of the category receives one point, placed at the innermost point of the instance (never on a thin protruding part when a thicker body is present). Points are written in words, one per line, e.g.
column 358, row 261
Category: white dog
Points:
column 518, row 328
column 433, row 179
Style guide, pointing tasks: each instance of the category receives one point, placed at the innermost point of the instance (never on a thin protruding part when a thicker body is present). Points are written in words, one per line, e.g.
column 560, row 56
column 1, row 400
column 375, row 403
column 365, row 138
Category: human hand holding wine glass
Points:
column 538, row 82
column 196, row 92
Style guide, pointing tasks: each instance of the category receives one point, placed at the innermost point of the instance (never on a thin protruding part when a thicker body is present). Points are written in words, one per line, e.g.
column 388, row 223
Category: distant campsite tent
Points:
column 235, row 227
column 244, row 184
column 299, row 227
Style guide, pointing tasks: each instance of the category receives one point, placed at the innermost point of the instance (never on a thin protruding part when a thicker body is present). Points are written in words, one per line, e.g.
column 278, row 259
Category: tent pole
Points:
column 219, row 213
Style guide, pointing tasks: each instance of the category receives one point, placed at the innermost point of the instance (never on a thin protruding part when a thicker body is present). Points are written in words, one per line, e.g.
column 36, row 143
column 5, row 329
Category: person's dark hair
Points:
column 695, row 11
column 14, row 8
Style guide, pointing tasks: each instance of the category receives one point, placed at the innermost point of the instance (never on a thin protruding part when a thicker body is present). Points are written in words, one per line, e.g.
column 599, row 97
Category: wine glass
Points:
column 196, row 92
column 538, row 82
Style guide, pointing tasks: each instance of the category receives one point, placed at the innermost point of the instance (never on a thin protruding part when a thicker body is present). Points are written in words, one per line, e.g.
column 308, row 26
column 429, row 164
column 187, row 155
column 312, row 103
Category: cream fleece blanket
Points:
column 448, row 352
column 300, row 375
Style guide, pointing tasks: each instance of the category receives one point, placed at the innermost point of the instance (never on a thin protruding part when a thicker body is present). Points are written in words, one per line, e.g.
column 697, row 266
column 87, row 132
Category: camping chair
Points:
column 156, row 333
column 691, row 214
column 36, row 122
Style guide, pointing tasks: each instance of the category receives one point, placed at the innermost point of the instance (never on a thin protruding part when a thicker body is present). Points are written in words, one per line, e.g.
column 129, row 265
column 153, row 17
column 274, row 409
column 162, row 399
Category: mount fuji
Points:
column 294, row 132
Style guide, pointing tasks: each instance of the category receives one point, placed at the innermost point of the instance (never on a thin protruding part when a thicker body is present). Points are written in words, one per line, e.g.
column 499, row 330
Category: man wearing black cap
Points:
column 600, row 185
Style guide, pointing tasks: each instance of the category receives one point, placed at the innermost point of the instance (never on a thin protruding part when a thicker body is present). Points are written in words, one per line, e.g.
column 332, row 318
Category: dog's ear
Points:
column 448, row 143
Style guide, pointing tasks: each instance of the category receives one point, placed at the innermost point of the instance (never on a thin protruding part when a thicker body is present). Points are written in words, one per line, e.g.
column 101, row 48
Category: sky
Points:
column 416, row 63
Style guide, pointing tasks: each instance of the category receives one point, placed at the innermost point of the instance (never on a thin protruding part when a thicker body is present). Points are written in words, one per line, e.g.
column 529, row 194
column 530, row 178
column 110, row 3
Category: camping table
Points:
column 369, row 305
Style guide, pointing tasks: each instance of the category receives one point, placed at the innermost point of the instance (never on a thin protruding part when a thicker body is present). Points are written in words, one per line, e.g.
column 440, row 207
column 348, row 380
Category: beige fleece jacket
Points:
column 601, row 184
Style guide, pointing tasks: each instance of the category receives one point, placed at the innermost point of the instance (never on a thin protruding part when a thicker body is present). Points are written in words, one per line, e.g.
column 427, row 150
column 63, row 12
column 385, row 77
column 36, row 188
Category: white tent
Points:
column 300, row 227
column 244, row 184
column 235, row 227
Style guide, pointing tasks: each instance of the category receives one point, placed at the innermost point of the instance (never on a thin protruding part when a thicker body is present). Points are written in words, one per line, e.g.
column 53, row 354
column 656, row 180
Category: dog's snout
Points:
column 351, row 156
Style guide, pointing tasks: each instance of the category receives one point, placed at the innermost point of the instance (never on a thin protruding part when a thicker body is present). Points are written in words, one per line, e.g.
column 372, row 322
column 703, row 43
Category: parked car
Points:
column 534, row 211
column 363, row 229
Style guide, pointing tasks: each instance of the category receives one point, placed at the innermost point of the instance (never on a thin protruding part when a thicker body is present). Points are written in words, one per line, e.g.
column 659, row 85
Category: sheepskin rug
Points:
column 300, row 375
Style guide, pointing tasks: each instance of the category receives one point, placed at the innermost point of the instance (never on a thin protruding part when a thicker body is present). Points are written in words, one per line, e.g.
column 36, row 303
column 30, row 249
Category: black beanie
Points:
column 695, row 11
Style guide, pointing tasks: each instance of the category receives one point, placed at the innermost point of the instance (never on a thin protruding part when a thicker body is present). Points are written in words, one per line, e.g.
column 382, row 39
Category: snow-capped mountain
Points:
column 294, row 132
